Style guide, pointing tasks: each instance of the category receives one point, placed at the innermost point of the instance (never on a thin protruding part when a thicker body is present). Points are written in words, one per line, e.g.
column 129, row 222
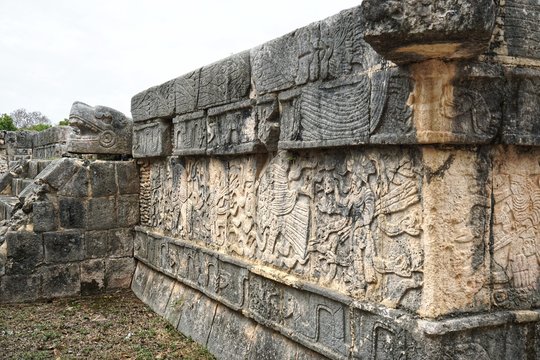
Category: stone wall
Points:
column 71, row 231
column 364, row 187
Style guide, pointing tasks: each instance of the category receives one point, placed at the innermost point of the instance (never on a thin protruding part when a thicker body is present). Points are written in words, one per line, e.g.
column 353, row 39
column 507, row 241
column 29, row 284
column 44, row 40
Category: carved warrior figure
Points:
column 99, row 130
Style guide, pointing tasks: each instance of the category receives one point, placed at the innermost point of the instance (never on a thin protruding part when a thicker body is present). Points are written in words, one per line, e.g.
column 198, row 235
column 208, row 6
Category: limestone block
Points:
column 128, row 210
column 152, row 139
column 65, row 246
column 44, row 216
column 516, row 228
column 414, row 30
column 24, row 252
column 186, row 89
column 99, row 130
column 92, row 277
column 156, row 102
column 456, row 104
column 97, row 244
column 127, row 177
column 19, row 288
column 120, row 243
column 60, row 280
column 73, row 212
column 101, row 214
column 79, row 185
column 521, row 36
column 522, row 117
column 330, row 114
column 325, row 50
column 232, row 129
column 301, row 314
column 231, row 334
column 266, row 113
column 118, row 273
column 190, row 134
column 225, row 81
column 391, row 116
column 103, row 178
column 456, row 202
column 59, row 172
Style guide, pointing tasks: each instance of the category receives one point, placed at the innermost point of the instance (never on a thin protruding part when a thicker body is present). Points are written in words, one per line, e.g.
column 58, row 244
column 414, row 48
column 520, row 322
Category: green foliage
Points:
column 38, row 127
column 64, row 122
column 6, row 123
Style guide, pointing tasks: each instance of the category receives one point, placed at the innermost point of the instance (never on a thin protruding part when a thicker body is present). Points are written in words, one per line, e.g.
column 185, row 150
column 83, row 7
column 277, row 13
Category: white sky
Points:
column 102, row 52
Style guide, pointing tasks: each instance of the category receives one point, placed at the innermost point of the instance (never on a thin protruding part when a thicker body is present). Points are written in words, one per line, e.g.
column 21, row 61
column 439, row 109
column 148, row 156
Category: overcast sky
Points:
column 103, row 52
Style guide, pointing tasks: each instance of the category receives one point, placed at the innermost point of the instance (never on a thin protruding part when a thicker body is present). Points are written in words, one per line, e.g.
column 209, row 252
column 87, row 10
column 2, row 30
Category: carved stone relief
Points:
column 348, row 221
column 516, row 230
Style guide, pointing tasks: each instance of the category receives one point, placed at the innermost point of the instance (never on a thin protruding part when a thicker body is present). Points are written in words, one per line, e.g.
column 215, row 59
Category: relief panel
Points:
column 330, row 114
column 516, row 229
column 156, row 102
column 152, row 140
column 232, row 129
column 190, row 134
column 225, row 81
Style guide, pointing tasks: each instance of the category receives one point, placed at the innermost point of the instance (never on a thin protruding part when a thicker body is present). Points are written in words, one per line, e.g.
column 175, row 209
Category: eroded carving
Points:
column 99, row 130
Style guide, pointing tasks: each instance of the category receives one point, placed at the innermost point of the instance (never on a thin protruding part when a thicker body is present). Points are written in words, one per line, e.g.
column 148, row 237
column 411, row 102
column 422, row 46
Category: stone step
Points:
column 6, row 206
column 37, row 166
column 18, row 185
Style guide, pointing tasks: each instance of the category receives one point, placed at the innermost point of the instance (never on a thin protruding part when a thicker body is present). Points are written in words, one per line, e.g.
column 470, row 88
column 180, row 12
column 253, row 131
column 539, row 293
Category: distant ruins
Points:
column 365, row 187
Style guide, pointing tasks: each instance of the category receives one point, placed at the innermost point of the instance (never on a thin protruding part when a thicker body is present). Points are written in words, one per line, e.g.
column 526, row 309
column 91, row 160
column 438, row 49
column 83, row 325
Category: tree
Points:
column 38, row 127
column 6, row 123
column 24, row 119
column 64, row 122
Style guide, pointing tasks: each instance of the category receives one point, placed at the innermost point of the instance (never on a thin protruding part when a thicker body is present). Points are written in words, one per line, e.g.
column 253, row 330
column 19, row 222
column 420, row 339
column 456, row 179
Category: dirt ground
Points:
column 113, row 326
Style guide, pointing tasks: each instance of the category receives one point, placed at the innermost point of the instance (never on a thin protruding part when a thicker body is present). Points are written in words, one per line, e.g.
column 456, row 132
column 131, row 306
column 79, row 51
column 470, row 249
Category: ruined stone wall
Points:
column 71, row 231
column 365, row 187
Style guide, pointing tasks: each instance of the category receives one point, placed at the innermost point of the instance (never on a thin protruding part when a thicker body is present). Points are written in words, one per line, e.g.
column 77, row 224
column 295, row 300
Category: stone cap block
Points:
column 416, row 30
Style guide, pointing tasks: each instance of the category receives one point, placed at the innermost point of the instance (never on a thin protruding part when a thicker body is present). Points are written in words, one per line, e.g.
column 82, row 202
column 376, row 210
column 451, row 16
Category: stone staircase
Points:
column 21, row 174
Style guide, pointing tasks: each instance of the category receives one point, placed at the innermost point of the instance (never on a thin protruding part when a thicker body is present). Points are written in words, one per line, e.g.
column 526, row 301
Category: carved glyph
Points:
column 345, row 221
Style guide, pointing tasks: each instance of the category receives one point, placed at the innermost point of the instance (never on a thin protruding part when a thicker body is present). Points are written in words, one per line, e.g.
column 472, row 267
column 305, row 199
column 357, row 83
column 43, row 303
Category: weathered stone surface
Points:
column 92, row 277
column 231, row 334
column 128, row 210
column 18, row 288
column 521, row 36
column 413, row 30
column 190, row 133
column 522, row 118
column 59, row 172
column 515, row 263
column 452, row 103
column 97, row 244
column 60, row 280
column 78, row 186
column 232, row 129
column 118, row 272
column 330, row 114
column 65, row 246
column 224, row 81
column 152, row 140
column 24, row 250
column 103, row 178
column 120, row 242
column 456, row 191
column 99, row 130
column 44, row 216
column 156, row 102
column 326, row 50
column 73, row 212
column 127, row 176
column 186, row 90
column 101, row 213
